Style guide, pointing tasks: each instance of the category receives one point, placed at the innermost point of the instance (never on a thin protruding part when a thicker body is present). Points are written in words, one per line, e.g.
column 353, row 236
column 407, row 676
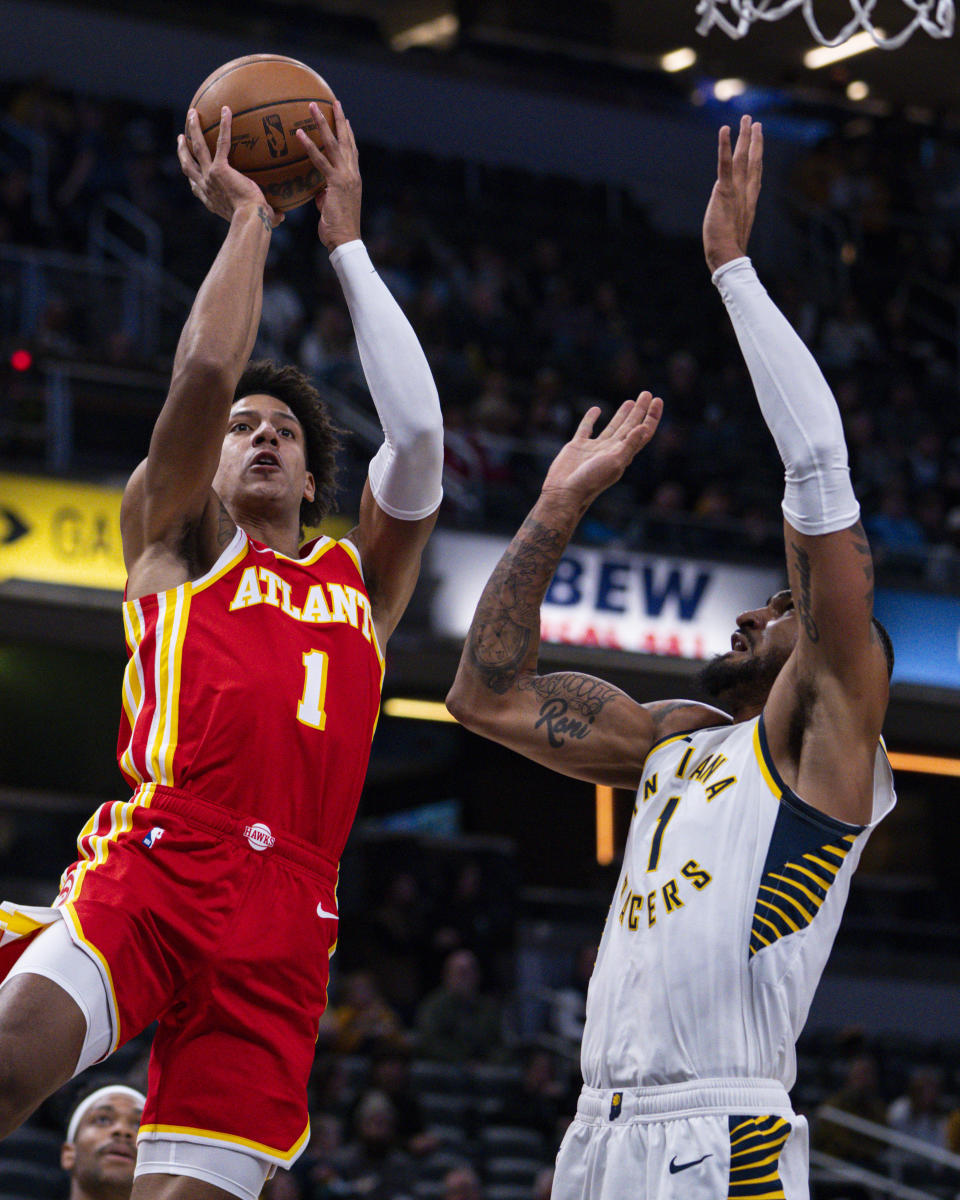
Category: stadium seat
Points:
column 511, row 1140
column 506, row 1191
column 516, row 1171
column 428, row 1076
column 32, row 1144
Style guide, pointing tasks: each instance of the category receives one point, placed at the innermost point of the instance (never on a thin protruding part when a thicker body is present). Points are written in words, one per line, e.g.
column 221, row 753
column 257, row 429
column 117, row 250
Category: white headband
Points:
column 85, row 1105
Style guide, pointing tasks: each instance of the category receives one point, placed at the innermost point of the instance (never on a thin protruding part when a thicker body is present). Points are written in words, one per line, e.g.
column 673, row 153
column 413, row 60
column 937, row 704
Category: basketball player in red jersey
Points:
column 208, row 900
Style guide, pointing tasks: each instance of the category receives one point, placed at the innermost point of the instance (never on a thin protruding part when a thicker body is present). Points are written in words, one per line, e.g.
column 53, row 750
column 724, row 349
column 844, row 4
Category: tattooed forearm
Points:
column 264, row 215
column 505, row 631
column 804, row 598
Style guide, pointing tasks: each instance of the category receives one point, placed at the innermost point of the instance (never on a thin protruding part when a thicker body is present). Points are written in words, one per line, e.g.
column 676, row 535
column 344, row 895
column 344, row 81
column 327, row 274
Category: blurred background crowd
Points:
column 447, row 1064
column 537, row 296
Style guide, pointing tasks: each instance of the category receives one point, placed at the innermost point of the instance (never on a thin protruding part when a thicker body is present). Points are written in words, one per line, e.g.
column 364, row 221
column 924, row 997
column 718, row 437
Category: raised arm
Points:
column 825, row 711
column 401, row 498
column 576, row 724
column 170, row 517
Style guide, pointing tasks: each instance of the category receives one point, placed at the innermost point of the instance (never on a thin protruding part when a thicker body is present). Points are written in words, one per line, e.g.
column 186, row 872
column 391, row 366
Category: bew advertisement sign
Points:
column 645, row 603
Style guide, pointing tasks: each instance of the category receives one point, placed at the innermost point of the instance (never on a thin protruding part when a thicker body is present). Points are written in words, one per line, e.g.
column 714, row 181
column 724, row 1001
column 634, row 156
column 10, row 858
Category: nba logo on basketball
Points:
column 276, row 138
column 259, row 836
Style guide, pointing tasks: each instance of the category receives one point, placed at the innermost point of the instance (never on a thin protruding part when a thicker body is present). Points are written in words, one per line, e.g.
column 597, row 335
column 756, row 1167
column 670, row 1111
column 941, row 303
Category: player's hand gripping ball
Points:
column 269, row 97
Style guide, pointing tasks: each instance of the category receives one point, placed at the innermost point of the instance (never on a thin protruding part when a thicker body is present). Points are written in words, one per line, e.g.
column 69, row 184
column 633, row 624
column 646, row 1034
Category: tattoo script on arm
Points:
column 571, row 704
column 803, row 596
column 862, row 547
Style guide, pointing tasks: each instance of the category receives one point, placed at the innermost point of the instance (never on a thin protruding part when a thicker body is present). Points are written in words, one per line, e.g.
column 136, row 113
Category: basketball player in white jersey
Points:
column 749, row 818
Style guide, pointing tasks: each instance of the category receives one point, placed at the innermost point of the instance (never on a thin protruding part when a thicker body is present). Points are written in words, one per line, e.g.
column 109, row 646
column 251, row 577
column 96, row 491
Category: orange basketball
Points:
column 268, row 97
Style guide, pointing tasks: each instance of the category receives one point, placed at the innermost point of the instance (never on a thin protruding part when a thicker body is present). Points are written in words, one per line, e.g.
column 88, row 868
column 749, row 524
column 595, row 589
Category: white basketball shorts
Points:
column 709, row 1139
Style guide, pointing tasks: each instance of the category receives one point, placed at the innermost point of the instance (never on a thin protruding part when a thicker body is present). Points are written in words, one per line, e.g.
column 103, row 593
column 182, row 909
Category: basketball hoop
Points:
column 734, row 17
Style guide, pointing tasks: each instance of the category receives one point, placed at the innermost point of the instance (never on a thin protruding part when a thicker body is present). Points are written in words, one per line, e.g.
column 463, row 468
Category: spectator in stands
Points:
column 281, row 318
column 860, row 1097
column 847, row 337
column 893, row 528
column 329, row 1090
column 372, row 1165
column 478, row 916
column 542, row 1184
column 952, row 1131
column 537, row 1100
column 920, row 1112
column 100, row 1151
column 569, row 1009
column 462, row 1183
column 390, row 1074
column 363, row 1019
column 314, row 1176
column 456, row 1023
column 395, row 939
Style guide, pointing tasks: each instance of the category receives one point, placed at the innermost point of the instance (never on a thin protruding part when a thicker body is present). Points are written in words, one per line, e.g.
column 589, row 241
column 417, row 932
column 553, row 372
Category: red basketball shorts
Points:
column 222, row 930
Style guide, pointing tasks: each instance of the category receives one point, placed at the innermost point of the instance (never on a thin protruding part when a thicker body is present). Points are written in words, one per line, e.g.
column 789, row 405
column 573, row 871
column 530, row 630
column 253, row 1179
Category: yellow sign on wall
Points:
column 52, row 531
column 58, row 532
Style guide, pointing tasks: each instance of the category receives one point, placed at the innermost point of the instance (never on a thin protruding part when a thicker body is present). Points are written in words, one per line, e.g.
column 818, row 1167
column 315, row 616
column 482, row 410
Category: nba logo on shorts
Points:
column 153, row 837
column 259, row 836
column 616, row 1103
column 276, row 138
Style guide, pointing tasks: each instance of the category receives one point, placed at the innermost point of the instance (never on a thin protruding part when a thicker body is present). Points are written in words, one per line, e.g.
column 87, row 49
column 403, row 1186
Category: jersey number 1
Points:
column 662, row 822
column 310, row 709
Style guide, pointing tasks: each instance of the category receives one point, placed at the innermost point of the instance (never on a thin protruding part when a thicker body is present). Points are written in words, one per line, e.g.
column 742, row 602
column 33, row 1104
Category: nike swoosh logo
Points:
column 322, row 912
column 675, row 1166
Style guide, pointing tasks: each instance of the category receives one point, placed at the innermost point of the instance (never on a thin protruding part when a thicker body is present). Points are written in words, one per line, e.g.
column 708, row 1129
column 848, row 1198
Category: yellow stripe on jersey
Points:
column 189, row 1134
column 173, row 608
column 756, row 1144
column 805, row 916
column 16, row 923
column 816, row 901
column 205, row 581
column 351, row 551
column 765, row 767
column 797, row 875
column 324, row 543
column 174, row 696
column 133, row 685
column 73, row 921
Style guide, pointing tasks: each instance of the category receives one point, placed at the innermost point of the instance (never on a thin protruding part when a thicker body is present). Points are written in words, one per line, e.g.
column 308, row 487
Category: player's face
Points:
column 763, row 642
column 771, row 629
column 103, row 1154
column 263, row 459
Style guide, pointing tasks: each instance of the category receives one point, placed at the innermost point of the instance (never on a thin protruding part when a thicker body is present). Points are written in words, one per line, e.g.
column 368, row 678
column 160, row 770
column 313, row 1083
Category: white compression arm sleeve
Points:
column 796, row 402
column 406, row 472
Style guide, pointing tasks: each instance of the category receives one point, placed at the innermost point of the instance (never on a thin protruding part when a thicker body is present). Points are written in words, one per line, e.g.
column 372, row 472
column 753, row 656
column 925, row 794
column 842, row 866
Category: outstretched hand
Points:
column 221, row 188
column 587, row 465
column 338, row 202
column 733, row 202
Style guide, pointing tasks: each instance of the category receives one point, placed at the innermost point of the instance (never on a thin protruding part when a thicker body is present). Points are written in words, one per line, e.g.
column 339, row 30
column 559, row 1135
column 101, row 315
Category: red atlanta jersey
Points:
column 257, row 688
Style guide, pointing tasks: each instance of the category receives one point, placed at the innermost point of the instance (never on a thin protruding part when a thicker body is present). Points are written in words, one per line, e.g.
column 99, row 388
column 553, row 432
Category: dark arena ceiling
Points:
column 613, row 39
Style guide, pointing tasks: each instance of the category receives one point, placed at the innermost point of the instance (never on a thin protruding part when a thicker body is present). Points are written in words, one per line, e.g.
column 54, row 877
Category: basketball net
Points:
column 734, row 17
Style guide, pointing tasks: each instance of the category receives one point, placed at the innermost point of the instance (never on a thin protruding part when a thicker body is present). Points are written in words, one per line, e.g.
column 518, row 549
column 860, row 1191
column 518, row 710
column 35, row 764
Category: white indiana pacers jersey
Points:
column 728, row 902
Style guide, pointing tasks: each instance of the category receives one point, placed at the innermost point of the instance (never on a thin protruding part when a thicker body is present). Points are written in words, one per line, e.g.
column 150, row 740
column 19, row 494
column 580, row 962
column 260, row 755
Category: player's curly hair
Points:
column 322, row 437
